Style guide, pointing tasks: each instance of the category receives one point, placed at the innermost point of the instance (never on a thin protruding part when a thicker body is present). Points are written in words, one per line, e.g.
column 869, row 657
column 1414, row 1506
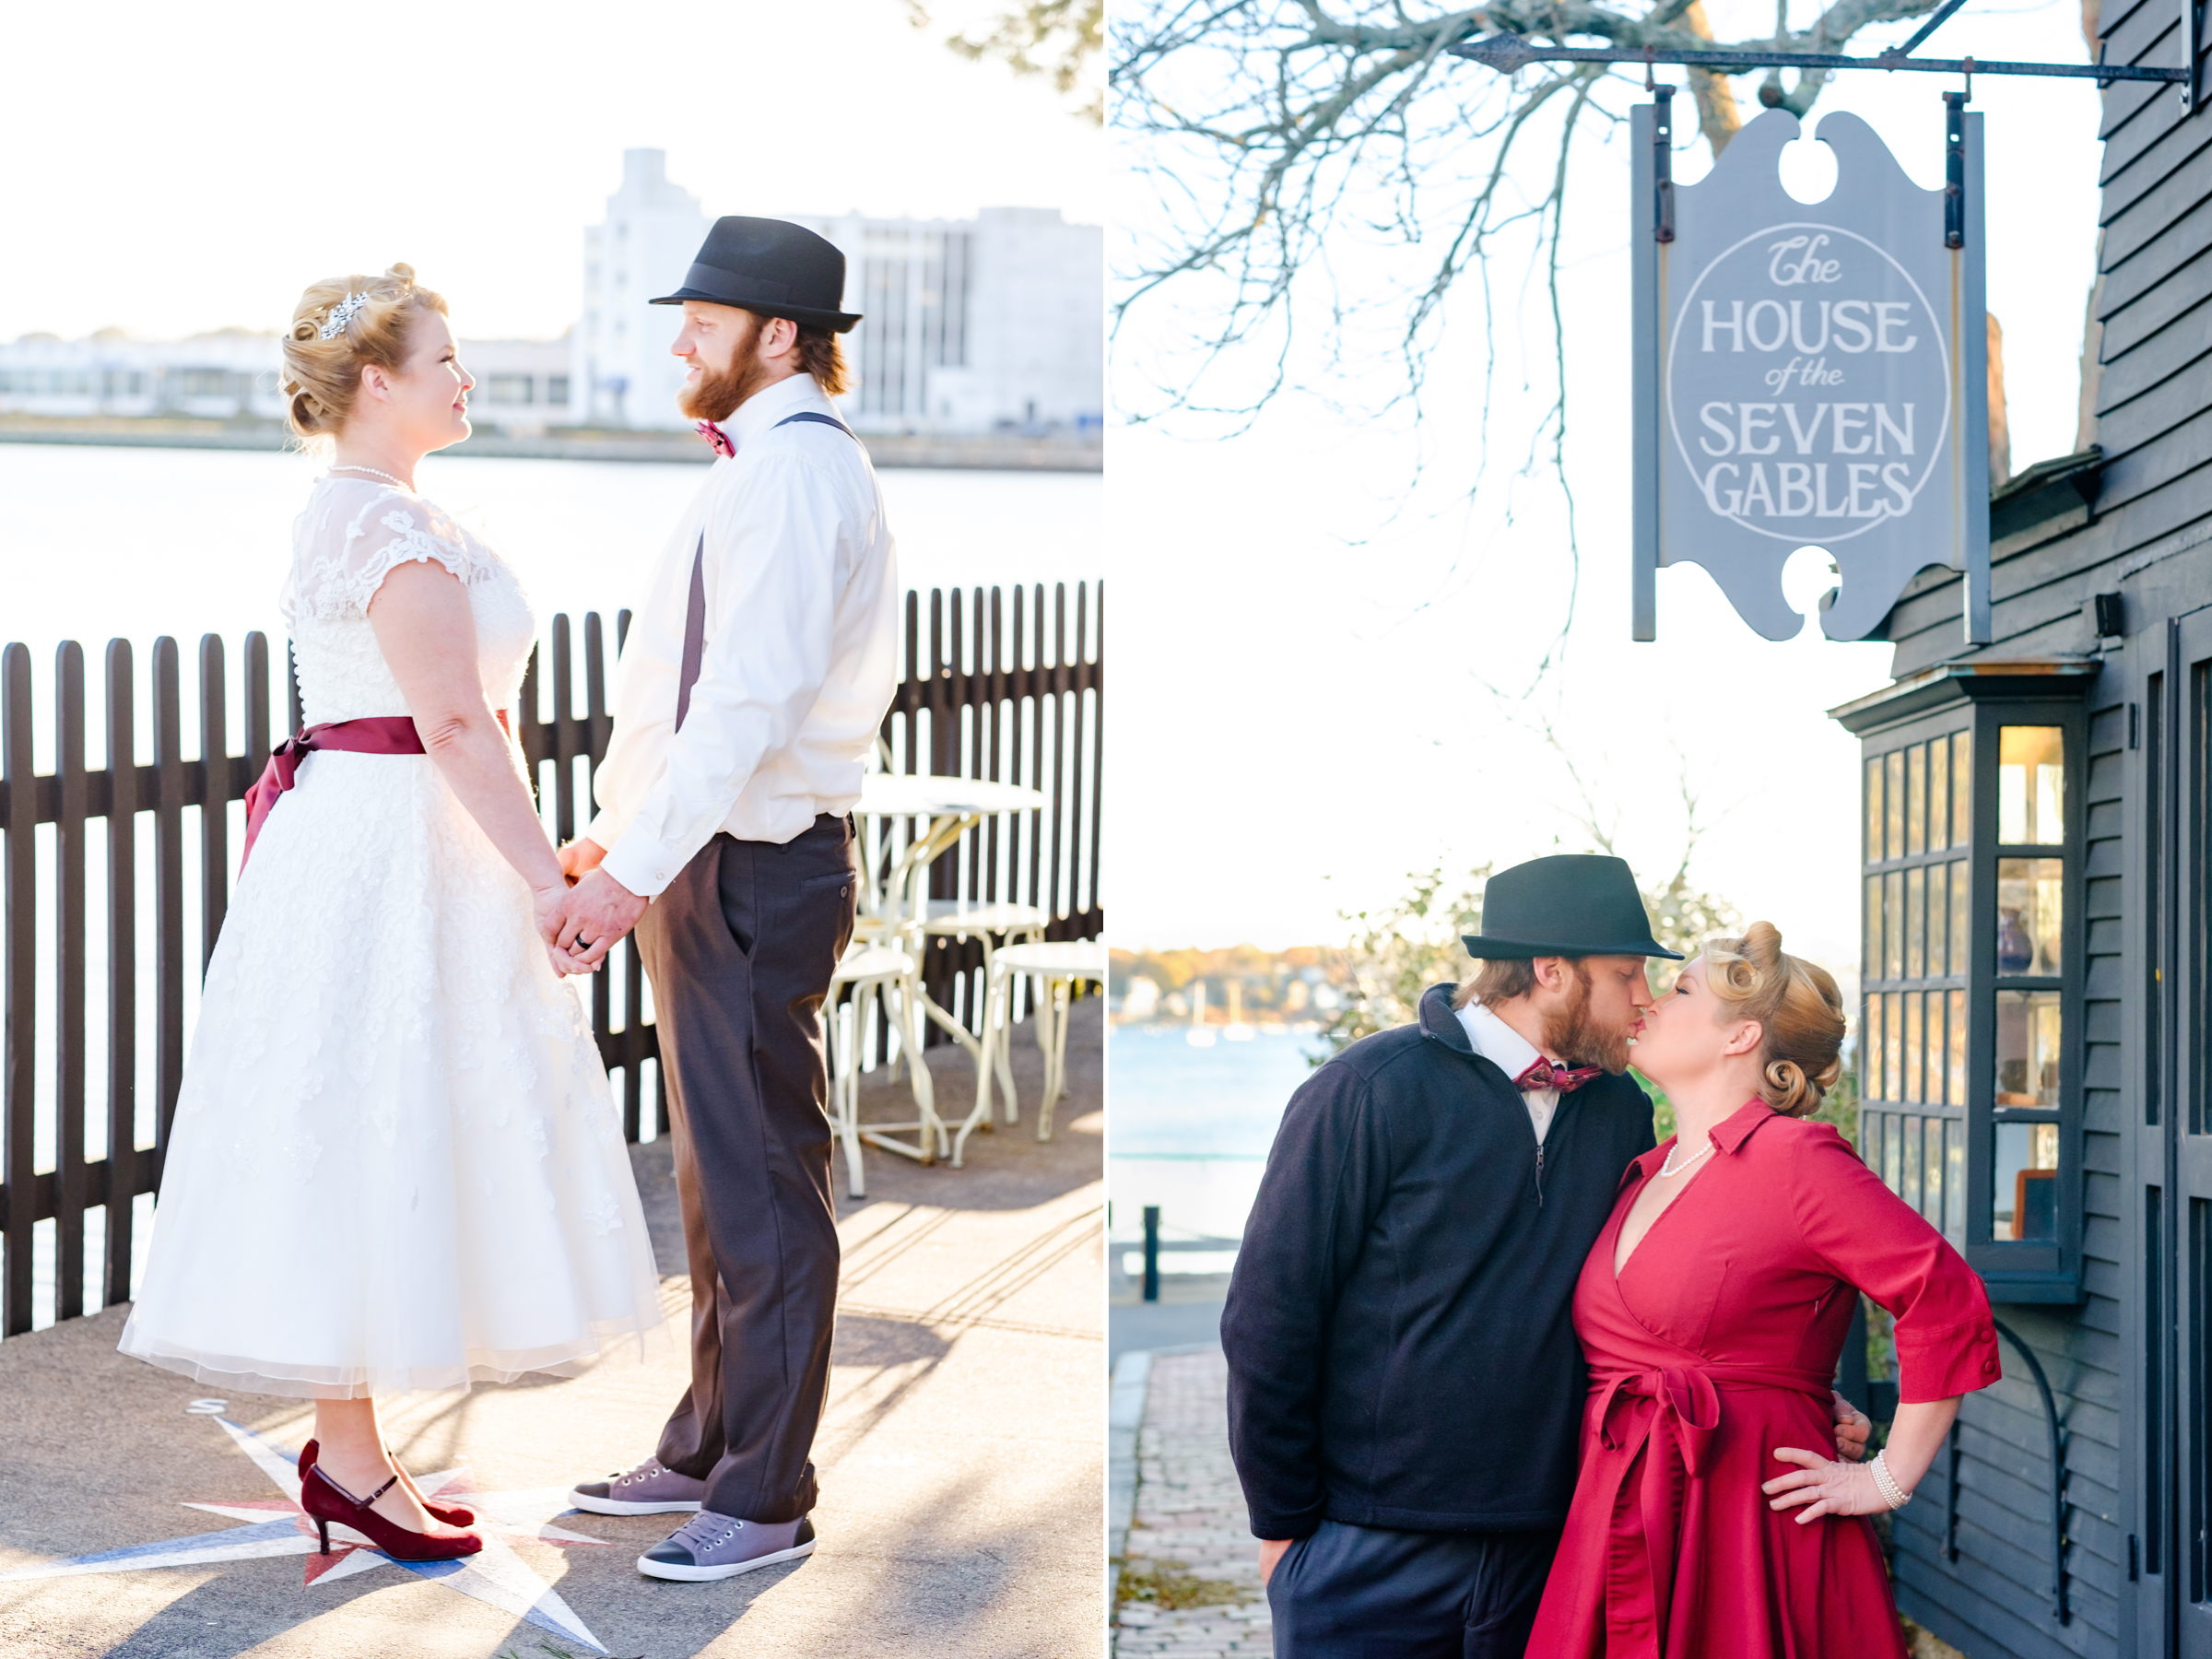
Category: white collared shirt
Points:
column 801, row 658
column 1513, row 1054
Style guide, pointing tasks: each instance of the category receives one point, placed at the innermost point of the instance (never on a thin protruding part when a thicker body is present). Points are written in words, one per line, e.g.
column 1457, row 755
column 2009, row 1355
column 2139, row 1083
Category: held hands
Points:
column 592, row 913
column 546, row 905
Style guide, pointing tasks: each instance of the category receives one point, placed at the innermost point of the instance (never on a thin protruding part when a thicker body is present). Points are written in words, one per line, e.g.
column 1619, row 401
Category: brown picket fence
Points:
column 995, row 683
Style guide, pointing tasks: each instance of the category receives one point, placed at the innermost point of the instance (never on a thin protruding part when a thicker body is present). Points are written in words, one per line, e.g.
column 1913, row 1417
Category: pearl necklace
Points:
column 385, row 476
column 1668, row 1165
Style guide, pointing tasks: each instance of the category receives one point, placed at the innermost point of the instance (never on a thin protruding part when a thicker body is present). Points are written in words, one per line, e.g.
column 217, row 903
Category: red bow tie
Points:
column 717, row 436
column 1565, row 1078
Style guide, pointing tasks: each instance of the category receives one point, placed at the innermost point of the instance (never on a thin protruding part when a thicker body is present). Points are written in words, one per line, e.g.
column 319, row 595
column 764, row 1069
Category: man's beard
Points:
column 1573, row 1035
column 716, row 394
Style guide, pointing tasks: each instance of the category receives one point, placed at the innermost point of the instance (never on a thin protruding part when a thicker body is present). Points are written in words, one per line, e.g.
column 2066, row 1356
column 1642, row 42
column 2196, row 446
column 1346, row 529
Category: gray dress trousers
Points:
column 740, row 947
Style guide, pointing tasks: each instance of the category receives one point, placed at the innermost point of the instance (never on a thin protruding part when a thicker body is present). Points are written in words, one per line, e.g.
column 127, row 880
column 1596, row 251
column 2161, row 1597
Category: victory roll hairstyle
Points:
column 340, row 326
column 1799, row 1010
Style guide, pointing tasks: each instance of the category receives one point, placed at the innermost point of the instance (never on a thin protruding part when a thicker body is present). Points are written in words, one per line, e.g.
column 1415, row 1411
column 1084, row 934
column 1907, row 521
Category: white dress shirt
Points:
column 1513, row 1054
column 801, row 656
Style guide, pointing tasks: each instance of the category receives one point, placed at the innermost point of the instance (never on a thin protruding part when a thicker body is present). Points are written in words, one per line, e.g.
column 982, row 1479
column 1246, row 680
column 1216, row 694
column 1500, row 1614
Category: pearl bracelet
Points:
column 1895, row 1495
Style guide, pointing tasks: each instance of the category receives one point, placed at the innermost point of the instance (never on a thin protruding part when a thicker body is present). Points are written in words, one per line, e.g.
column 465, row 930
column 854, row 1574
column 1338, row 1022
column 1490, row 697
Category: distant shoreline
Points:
column 939, row 454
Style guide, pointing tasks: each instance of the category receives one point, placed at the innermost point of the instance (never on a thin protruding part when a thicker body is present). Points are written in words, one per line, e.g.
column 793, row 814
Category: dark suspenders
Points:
column 695, row 610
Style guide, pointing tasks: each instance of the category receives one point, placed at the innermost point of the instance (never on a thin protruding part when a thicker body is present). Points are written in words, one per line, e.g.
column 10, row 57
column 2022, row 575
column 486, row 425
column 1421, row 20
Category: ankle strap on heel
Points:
column 323, row 1475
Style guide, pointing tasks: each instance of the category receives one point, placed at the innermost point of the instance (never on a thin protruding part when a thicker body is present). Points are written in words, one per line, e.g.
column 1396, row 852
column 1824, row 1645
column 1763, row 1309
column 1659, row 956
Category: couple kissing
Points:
column 1507, row 1377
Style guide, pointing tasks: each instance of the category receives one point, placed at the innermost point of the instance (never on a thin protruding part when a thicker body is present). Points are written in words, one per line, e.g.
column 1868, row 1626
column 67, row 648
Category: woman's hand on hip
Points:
column 1822, row 1486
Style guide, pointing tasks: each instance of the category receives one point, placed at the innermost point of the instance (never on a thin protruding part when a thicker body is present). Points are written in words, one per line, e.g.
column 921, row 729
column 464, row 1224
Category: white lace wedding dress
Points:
column 395, row 1163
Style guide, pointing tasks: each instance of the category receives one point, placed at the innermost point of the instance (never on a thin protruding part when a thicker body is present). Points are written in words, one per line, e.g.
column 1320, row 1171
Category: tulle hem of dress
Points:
column 292, row 1381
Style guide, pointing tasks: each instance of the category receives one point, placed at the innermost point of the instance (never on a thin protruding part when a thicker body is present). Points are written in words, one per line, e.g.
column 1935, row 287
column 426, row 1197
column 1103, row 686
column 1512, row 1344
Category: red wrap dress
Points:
column 1715, row 1344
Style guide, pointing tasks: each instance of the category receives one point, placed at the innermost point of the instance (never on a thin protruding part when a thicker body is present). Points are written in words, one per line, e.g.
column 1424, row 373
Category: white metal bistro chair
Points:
column 1058, row 968
column 872, row 972
column 896, row 910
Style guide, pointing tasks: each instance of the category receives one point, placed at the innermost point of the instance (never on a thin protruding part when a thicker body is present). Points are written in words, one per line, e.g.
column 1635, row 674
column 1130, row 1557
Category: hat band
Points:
column 733, row 289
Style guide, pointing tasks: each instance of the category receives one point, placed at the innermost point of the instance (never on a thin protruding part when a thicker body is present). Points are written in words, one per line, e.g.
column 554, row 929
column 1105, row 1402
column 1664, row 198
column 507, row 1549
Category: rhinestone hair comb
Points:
column 342, row 313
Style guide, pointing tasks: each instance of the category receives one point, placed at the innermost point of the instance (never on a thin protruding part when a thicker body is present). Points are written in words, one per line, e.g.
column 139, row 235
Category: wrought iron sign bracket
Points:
column 1508, row 52
column 1663, row 163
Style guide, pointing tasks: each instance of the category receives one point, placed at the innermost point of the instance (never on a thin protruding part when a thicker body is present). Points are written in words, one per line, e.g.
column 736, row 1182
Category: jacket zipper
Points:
column 1539, row 1174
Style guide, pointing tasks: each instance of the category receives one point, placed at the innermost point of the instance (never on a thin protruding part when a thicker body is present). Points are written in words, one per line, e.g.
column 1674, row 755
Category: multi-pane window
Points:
column 2028, row 957
column 1918, row 898
column 1969, row 1018
column 1971, row 1038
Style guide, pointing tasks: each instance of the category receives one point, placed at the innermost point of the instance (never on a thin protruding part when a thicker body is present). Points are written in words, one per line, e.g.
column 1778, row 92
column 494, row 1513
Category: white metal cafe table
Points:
column 895, row 908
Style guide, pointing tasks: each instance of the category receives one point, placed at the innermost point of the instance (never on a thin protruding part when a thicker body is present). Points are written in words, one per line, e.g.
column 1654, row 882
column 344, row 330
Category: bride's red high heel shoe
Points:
column 452, row 1515
column 325, row 1500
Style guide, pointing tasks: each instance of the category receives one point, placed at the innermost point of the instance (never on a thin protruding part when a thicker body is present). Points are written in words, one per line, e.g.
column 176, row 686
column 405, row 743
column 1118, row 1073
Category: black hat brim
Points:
column 1487, row 948
column 835, row 322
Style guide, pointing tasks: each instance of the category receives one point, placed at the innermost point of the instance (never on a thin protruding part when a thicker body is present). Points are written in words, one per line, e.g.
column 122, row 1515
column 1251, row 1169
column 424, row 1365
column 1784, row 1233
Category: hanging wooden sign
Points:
column 1810, row 375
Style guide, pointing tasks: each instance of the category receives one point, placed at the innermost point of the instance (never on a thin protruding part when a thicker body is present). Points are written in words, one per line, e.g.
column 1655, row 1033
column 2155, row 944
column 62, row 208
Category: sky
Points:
column 1312, row 648
column 167, row 168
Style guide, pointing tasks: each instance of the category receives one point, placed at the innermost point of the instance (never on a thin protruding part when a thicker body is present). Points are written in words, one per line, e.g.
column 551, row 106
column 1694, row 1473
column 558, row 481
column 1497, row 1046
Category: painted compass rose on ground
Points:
column 280, row 1527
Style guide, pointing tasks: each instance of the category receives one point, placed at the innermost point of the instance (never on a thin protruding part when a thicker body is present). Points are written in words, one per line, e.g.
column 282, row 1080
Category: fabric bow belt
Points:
column 375, row 734
column 1670, row 1414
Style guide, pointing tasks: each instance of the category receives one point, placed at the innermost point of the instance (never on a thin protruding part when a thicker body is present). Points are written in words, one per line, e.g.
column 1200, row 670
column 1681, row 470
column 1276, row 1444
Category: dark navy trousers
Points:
column 1371, row 1592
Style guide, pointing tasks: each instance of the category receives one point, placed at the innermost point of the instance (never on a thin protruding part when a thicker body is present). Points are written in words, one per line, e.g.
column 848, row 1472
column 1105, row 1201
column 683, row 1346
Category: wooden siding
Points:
column 2148, row 535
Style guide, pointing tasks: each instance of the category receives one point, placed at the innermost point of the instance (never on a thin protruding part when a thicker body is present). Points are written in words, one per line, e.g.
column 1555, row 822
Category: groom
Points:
column 754, row 682
column 1405, row 1389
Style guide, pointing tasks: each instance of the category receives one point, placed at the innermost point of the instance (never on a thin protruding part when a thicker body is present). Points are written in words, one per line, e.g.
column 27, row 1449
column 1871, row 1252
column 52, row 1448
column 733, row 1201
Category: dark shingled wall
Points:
column 2149, row 537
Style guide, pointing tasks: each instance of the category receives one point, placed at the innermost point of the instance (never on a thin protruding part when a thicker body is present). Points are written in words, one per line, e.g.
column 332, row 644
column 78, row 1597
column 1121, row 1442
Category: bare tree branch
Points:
column 1274, row 130
column 1324, row 178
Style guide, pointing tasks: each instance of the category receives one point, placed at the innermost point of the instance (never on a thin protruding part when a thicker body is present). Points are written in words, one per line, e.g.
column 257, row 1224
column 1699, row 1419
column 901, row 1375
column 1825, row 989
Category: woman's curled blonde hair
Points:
column 1799, row 1010
column 321, row 377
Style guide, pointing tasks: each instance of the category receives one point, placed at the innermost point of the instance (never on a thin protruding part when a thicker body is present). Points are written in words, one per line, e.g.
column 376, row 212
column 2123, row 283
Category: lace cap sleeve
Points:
column 348, row 550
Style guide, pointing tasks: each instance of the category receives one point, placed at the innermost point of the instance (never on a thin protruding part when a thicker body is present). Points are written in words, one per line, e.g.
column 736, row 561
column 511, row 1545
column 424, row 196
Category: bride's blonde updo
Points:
column 323, row 376
column 1797, row 1006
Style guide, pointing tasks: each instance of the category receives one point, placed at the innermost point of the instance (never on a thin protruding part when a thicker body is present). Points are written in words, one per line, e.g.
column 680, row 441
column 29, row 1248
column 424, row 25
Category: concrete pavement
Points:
column 962, row 1459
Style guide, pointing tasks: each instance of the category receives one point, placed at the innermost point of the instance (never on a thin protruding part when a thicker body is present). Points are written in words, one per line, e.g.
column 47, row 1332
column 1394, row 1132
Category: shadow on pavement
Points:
column 960, row 1456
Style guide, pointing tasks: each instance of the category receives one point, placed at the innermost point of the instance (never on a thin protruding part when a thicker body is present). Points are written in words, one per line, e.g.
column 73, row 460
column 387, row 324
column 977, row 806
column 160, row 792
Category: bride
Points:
column 395, row 1163
column 1712, row 1311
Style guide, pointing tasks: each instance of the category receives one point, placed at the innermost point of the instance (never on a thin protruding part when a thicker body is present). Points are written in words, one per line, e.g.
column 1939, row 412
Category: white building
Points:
column 231, row 374
column 989, row 325
column 221, row 375
column 623, row 374
column 994, row 323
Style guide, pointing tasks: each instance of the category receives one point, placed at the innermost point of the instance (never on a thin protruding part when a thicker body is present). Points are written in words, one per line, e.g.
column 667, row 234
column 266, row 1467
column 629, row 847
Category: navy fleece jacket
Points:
column 1401, row 1351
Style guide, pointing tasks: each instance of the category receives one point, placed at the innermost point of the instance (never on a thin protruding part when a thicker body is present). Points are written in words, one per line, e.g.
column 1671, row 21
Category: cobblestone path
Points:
column 1189, row 1536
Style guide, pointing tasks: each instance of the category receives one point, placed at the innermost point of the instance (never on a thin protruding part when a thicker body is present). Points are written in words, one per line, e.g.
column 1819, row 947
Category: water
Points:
column 97, row 544
column 1189, row 1130
column 133, row 543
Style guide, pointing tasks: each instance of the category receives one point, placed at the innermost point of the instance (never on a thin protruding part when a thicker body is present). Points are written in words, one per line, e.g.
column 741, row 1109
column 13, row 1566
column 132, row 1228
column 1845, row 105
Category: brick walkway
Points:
column 1189, row 1536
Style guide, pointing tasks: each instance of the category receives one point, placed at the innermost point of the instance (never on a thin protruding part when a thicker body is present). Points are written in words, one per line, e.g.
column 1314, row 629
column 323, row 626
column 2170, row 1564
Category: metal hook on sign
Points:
column 1970, row 80
column 1649, row 58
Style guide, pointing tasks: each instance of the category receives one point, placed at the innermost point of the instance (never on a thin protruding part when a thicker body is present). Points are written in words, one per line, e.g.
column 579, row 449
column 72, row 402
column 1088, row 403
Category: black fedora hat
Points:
column 771, row 266
column 1573, row 904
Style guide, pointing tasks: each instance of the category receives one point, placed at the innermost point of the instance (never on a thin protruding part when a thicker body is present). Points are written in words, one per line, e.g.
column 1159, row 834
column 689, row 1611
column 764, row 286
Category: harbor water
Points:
column 1189, row 1130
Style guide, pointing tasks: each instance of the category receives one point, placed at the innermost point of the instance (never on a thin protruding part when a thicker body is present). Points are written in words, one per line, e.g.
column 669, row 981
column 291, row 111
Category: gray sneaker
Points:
column 718, row 1547
column 648, row 1490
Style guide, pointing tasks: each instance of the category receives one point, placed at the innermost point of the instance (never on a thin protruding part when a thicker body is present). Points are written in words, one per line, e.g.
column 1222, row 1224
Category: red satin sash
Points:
column 373, row 734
